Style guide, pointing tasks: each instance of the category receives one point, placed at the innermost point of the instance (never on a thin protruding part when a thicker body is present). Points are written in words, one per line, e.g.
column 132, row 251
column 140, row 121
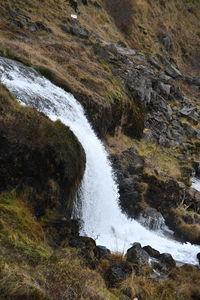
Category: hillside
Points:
column 135, row 68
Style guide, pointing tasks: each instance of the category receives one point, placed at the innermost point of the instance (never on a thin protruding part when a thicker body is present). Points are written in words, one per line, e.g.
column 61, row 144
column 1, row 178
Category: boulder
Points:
column 151, row 251
column 167, row 261
column 137, row 255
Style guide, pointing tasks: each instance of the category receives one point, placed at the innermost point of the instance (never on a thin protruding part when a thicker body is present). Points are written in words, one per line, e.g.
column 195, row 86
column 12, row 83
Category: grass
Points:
column 30, row 269
column 159, row 160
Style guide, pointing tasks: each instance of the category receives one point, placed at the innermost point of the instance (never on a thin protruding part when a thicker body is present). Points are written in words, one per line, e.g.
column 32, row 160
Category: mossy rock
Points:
column 41, row 159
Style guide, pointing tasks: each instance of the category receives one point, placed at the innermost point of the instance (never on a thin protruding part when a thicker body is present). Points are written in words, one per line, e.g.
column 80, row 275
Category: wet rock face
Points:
column 129, row 166
column 39, row 158
column 152, row 219
column 158, row 196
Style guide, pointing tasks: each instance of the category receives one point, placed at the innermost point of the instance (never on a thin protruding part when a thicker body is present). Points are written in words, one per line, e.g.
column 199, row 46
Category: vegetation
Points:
column 42, row 159
column 31, row 269
column 42, row 163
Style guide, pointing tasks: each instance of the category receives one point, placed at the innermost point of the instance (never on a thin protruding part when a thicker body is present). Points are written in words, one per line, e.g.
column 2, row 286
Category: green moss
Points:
column 41, row 159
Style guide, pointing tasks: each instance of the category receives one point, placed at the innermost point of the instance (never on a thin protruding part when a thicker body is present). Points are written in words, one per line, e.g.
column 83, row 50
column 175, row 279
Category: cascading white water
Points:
column 101, row 215
column 196, row 183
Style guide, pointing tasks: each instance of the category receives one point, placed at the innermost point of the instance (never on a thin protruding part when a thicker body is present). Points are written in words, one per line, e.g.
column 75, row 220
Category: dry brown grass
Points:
column 163, row 161
column 174, row 18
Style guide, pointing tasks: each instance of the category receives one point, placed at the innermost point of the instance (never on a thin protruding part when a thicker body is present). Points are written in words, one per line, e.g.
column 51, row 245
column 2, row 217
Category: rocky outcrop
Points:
column 153, row 91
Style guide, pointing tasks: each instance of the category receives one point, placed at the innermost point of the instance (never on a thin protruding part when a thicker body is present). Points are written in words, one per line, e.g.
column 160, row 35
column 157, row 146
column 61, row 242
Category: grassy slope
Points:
column 30, row 269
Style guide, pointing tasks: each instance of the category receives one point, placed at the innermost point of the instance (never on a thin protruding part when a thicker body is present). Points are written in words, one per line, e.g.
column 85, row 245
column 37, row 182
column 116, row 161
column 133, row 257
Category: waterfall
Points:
column 196, row 183
column 100, row 213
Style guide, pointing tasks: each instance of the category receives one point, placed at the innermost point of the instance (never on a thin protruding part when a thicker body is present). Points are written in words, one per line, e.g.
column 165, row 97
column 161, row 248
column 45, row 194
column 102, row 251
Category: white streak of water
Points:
column 196, row 183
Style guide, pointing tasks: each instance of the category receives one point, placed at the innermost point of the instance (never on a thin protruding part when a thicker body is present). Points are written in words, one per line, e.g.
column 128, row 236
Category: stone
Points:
column 116, row 49
column 153, row 61
column 118, row 272
column 101, row 51
column 80, row 32
column 197, row 167
column 137, row 255
column 190, row 130
column 152, row 252
column 102, row 252
column 39, row 26
column 163, row 60
column 75, row 29
column 167, row 261
column 148, row 136
column 164, row 77
column 169, row 110
column 167, row 42
column 165, row 88
column 173, row 72
column 186, row 111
